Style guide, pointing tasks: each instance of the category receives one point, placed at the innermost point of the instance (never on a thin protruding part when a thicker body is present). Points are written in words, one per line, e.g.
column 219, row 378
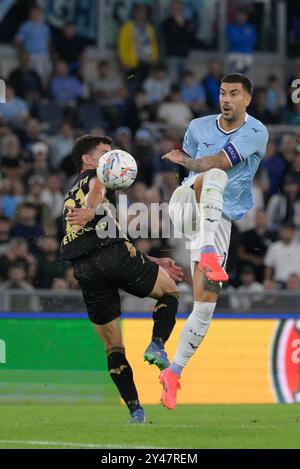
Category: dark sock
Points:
column 122, row 375
column 164, row 317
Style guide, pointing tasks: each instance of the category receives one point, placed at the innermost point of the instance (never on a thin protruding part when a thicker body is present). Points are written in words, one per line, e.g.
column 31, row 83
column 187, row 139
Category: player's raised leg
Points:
column 164, row 317
column 205, row 291
column 119, row 368
column 211, row 207
column 192, row 334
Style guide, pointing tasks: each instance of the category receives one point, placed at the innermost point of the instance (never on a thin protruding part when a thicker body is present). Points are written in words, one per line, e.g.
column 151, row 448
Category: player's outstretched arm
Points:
column 220, row 161
column 81, row 216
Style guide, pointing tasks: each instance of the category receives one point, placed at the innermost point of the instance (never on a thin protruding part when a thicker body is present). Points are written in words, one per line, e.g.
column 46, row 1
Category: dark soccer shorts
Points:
column 101, row 273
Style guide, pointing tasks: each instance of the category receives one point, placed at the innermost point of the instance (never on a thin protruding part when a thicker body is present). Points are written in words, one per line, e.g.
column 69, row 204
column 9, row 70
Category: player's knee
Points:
column 217, row 177
column 113, row 343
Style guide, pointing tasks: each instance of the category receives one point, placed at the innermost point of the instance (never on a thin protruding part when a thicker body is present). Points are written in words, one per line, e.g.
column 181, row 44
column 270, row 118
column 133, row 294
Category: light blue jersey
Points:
column 244, row 147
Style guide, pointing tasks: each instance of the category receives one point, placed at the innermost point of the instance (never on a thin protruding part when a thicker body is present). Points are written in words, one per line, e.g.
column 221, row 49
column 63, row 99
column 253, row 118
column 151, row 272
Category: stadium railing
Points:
column 230, row 301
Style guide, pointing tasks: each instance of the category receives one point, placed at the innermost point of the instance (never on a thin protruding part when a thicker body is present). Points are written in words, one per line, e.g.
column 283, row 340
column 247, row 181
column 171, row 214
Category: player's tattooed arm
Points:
column 201, row 165
column 81, row 216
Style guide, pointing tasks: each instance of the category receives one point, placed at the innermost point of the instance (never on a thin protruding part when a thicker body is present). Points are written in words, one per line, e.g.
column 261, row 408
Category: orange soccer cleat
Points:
column 170, row 383
column 209, row 264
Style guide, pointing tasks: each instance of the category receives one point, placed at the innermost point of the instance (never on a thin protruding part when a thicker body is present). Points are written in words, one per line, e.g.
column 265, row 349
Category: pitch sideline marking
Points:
column 75, row 445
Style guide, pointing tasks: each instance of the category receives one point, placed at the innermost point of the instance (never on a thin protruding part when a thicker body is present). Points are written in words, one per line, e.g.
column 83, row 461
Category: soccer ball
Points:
column 117, row 169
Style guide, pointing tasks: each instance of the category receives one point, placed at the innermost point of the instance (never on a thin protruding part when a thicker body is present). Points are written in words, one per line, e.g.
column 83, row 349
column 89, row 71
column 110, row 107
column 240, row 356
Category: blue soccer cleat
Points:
column 138, row 416
column 156, row 355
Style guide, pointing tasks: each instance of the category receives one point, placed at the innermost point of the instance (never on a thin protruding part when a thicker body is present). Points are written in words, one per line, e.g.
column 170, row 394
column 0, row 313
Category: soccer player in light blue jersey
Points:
column 222, row 153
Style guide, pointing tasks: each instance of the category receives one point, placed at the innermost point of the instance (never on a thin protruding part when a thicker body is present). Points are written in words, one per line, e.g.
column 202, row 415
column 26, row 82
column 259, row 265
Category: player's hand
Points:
column 171, row 268
column 175, row 156
column 79, row 216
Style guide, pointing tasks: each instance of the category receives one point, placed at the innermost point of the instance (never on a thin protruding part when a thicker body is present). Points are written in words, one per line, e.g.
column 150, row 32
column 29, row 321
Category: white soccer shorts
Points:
column 186, row 217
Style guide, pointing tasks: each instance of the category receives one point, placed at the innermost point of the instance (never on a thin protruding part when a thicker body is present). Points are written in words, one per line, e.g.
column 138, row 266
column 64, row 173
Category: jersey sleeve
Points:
column 249, row 142
column 190, row 145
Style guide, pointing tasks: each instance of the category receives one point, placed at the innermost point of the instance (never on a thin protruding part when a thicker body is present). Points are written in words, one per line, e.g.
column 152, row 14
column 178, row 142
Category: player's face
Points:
column 234, row 100
column 99, row 151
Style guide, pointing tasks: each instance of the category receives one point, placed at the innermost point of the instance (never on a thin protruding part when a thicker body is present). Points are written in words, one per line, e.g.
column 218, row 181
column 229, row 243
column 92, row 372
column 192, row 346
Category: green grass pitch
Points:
column 81, row 425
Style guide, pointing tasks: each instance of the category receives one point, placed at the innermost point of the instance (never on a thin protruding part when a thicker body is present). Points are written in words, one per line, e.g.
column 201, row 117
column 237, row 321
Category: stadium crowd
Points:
column 145, row 105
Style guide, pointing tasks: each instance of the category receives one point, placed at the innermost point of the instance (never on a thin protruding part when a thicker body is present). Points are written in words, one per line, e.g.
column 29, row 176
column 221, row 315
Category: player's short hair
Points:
column 86, row 144
column 239, row 78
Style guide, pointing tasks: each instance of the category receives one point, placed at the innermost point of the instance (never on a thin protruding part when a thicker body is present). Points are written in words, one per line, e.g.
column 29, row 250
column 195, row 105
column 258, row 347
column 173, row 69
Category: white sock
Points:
column 192, row 334
column 211, row 205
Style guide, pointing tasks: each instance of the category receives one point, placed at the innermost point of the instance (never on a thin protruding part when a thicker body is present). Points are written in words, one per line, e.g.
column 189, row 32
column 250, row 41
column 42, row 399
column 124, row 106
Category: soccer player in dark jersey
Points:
column 105, row 264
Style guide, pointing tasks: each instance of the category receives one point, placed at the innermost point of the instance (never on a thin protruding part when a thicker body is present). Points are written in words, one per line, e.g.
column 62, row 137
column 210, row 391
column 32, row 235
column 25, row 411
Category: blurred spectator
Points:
column 260, row 188
column 232, row 261
column 139, row 111
column 108, row 87
column 26, row 226
column 15, row 109
column 31, row 133
column 70, row 279
column 17, row 254
column 40, row 166
column 275, row 166
column 11, row 195
column 292, row 115
column 13, row 163
column 26, row 81
column 276, row 96
column 34, row 37
column 5, row 226
column 63, row 87
column 123, row 139
column 69, row 47
column 288, row 146
column 211, row 83
column 249, row 293
column 285, row 207
column 174, row 112
column 157, row 86
column 49, row 264
column 178, row 38
column 16, row 280
column 36, row 186
column 283, row 256
column 165, row 144
column 60, row 284
column 6, row 10
column 137, row 47
column 293, row 282
column 192, row 93
column 294, row 167
column 144, row 152
column 53, row 197
column 241, row 37
column 109, row 91
column 61, row 144
column 259, row 108
column 254, row 244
